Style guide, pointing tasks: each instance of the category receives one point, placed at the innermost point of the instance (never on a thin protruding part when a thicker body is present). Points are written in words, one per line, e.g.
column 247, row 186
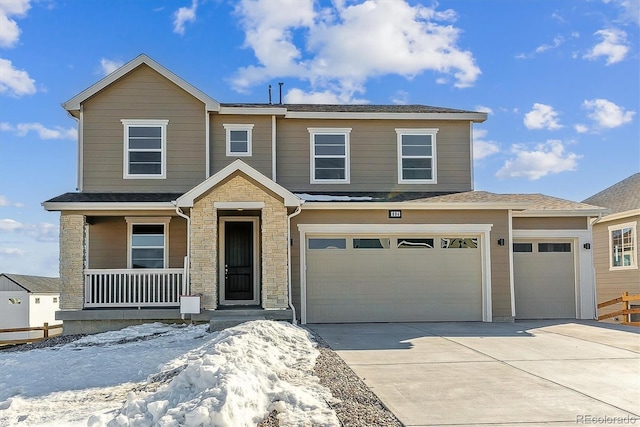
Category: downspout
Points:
column 186, row 288
column 295, row 213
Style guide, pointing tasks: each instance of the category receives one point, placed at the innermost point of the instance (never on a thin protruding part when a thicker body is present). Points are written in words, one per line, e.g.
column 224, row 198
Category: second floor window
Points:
column 144, row 148
column 330, row 155
column 416, row 156
column 238, row 139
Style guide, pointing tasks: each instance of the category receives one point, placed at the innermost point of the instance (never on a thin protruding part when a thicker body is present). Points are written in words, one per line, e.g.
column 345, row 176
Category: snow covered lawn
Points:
column 168, row 375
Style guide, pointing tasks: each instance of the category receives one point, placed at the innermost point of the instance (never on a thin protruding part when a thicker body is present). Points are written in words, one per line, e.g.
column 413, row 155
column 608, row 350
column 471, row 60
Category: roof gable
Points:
column 188, row 198
column 74, row 103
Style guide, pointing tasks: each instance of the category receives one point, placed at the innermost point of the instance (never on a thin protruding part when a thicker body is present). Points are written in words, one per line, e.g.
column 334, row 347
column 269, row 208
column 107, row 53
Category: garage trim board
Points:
column 479, row 231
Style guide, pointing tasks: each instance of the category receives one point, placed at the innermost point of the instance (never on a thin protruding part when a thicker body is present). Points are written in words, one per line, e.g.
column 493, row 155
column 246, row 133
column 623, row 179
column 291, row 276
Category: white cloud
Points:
column 108, row 66
column 9, row 30
column 41, row 232
column 341, row 51
column 630, row 10
column 606, row 114
column 557, row 41
column 15, row 82
column 298, row 96
column 546, row 158
column 481, row 147
column 5, row 202
column 12, row 251
column 184, row 15
column 542, row 116
column 484, row 109
column 401, row 97
column 614, row 46
column 581, row 128
column 58, row 132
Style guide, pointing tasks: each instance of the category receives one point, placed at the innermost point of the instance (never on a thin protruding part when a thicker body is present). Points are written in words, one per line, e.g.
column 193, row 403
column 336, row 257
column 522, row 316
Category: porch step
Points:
column 224, row 322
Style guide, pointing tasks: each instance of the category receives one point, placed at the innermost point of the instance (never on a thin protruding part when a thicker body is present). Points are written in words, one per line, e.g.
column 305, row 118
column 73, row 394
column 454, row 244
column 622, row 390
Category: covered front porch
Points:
column 225, row 242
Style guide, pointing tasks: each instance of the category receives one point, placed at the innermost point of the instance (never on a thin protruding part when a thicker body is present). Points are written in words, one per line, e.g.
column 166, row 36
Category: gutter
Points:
column 295, row 213
column 593, row 268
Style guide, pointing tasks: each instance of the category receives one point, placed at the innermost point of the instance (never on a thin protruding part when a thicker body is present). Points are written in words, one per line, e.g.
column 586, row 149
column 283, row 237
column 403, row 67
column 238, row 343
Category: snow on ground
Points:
column 168, row 375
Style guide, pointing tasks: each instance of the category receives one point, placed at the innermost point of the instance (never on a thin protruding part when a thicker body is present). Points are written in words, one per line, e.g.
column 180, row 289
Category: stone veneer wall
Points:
column 72, row 239
column 273, row 247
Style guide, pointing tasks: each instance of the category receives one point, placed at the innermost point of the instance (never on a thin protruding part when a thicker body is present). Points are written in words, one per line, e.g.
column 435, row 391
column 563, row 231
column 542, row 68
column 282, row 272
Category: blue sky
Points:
column 559, row 79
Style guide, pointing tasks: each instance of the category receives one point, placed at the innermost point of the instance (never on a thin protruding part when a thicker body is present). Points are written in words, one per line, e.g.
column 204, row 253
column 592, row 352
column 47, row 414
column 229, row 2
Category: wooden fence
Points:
column 45, row 333
column 626, row 311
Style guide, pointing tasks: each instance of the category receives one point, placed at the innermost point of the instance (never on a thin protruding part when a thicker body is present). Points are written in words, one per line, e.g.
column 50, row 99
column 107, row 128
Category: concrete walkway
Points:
column 499, row 374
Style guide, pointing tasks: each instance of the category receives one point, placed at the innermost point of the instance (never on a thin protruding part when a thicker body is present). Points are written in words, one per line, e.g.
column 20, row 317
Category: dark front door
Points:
column 238, row 256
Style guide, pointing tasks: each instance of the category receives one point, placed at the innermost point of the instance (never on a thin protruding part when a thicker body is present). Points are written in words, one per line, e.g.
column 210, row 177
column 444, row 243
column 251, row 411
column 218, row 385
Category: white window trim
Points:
column 429, row 131
column 347, row 154
column 634, row 236
column 137, row 220
column 248, row 129
column 126, row 124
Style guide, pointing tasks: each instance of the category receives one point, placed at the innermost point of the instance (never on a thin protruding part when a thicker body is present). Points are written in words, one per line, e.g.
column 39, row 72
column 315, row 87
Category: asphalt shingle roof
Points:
column 354, row 108
column 620, row 197
column 36, row 284
column 114, row 197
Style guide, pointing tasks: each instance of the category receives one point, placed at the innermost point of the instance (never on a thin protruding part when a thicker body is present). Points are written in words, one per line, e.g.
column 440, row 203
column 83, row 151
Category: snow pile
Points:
column 236, row 379
column 167, row 375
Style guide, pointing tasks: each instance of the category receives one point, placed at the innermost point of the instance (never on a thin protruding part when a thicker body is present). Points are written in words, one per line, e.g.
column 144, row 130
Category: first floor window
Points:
column 329, row 155
column 144, row 148
column 148, row 242
column 238, row 139
column 623, row 246
column 416, row 156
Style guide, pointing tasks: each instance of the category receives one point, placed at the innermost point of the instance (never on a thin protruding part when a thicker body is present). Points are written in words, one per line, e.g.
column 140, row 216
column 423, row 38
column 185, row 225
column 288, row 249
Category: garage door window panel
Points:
column 623, row 246
column 523, row 247
column 554, row 247
column 327, row 243
column 459, row 243
column 369, row 243
column 413, row 243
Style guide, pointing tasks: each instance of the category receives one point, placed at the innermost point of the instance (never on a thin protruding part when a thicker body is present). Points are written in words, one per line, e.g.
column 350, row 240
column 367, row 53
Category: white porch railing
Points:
column 144, row 287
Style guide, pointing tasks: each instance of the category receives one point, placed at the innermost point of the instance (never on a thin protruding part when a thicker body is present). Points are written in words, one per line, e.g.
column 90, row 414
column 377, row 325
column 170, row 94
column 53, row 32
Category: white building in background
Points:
column 27, row 302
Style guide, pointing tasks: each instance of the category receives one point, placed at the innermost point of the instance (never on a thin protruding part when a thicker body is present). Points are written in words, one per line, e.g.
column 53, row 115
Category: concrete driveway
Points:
column 501, row 374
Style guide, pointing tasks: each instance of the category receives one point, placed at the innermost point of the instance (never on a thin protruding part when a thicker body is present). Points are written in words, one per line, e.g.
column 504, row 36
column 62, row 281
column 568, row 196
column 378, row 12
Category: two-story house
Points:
column 324, row 213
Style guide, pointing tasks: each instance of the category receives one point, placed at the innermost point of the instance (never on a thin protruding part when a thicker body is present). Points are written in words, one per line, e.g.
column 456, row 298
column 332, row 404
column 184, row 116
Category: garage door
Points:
column 544, row 279
column 393, row 278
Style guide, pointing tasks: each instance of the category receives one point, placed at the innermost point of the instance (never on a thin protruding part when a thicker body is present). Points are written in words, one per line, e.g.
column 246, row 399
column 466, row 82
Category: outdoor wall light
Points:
column 500, row 242
column 587, row 246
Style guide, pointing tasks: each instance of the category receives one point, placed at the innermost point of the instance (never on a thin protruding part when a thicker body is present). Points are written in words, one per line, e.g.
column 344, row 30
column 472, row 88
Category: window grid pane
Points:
column 417, row 157
column 144, row 150
column 330, row 157
column 623, row 251
column 147, row 246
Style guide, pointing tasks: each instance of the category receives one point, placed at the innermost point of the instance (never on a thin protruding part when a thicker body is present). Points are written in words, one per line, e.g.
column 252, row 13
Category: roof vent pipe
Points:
column 270, row 103
column 280, row 84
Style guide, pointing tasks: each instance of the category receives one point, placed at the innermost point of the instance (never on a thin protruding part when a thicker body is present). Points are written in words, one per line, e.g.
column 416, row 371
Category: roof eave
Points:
column 558, row 212
column 413, row 205
column 106, row 206
column 620, row 215
column 473, row 117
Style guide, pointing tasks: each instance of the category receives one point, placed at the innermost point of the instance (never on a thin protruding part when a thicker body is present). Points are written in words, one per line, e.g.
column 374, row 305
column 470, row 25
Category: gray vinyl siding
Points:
column 108, row 242
column 143, row 94
column 611, row 283
column 549, row 223
column 260, row 158
column 500, row 278
column 373, row 155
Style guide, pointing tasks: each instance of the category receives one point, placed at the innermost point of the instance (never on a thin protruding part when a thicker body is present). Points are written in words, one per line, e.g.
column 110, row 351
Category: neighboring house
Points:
column 329, row 213
column 27, row 302
column 615, row 241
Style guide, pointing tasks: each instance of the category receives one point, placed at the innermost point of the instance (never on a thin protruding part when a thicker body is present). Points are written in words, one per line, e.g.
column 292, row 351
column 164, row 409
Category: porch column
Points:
column 275, row 292
column 72, row 252
column 204, row 253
